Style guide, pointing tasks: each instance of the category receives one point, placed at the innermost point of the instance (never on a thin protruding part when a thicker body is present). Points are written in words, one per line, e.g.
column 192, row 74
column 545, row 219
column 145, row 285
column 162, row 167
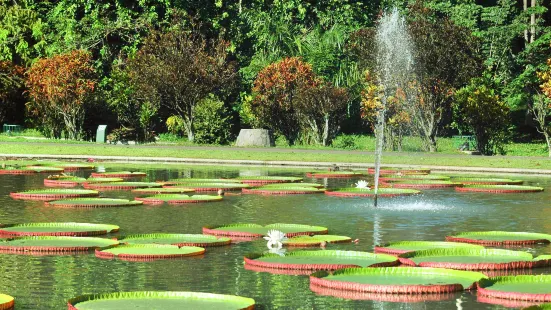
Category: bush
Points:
column 11, row 92
column 213, row 122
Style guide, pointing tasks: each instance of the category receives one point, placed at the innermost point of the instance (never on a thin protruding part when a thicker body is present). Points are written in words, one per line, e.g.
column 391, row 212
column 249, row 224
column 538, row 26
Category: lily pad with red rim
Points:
column 6, row 302
column 54, row 194
column 160, row 300
column 399, row 171
column 261, row 180
column 487, row 181
column 257, row 231
column 147, row 252
column 163, row 190
column 401, row 247
column 63, row 181
column 297, row 184
column 432, row 177
column 499, row 189
column 57, row 229
column 55, row 244
column 103, row 180
column 423, row 184
column 93, row 203
column 316, row 240
column 176, row 239
column 114, row 186
column 473, row 259
column 17, row 170
column 43, row 169
column 320, row 260
column 197, row 180
column 403, row 298
column 283, row 190
column 210, row 187
column 361, row 192
column 67, row 166
column 525, row 287
column 334, row 174
column 500, row 238
column 119, row 174
column 398, row 280
column 178, row 199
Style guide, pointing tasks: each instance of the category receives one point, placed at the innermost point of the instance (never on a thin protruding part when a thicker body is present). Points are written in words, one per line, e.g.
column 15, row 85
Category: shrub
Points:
column 11, row 92
column 213, row 122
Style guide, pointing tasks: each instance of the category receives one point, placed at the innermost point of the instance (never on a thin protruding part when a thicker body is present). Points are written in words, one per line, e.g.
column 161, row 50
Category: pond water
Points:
column 47, row 282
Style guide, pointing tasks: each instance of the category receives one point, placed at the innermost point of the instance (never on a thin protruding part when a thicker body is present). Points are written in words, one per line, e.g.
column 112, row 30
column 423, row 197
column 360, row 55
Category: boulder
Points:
column 255, row 137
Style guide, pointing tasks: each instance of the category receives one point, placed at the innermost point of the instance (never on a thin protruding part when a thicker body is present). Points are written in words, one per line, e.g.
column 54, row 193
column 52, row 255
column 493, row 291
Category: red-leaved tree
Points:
column 59, row 88
column 276, row 90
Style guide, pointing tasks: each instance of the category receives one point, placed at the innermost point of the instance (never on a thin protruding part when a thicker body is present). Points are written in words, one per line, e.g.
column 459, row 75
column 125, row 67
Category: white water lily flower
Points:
column 275, row 238
column 362, row 184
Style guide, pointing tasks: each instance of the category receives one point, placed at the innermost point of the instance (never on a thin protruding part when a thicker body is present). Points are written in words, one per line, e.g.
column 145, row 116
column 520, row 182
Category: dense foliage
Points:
column 152, row 60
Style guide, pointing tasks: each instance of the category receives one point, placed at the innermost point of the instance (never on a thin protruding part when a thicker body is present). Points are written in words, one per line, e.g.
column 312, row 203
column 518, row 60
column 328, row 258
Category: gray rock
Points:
column 255, row 137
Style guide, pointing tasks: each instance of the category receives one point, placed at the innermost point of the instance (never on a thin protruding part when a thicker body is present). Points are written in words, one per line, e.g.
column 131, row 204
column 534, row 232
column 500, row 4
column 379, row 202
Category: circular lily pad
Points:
column 55, row 244
column 6, row 302
column 163, row 190
column 525, row 287
column 487, row 181
column 57, row 229
column 360, row 192
column 176, row 239
column 146, row 252
column 320, row 260
column 334, row 174
column 473, row 259
column 119, row 174
column 398, row 280
column 283, row 190
column 261, row 180
column 257, row 231
column 119, row 186
column 431, row 177
column 54, row 194
column 401, row 247
column 66, row 166
column 500, row 238
column 398, row 171
column 403, row 298
column 298, row 184
column 63, row 181
column 423, row 184
column 160, row 300
column 17, row 170
column 93, row 203
column 499, row 189
column 198, row 180
column 178, row 199
column 103, row 180
column 45, row 169
column 316, row 240
column 210, row 187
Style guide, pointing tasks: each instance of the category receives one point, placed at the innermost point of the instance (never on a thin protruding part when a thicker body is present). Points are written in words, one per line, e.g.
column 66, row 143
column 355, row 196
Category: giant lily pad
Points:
column 93, row 203
column 198, row 180
column 402, row 298
column 320, row 260
column 398, row 280
column 121, row 185
column 473, row 259
column 66, row 166
column 103, row 180
column 211, row 187
column 316, row 240
column 500, row 238
column 257, row 231
column 297, row 184
column 261, row 180
column 55, row 244
column 283, row 190
column 163, row 190
column 423, row 184
column 499, row 189
column 398, row 171
column 146, row 252
column 334, row 174
column 401, row 247
column 176, row 239
column 525, row 287
column 487, row 181
column 160, row 300
column 45, row 169
column 426, row 177
column 63, row 181
column 382, row 192
column 17, row 170
column 6, row 302
column 178, row 199
column 57, row 229
column 119, row 174
column 54, row 194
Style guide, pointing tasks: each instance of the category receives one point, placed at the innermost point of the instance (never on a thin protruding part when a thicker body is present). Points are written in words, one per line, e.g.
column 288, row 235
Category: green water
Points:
column 47, row 282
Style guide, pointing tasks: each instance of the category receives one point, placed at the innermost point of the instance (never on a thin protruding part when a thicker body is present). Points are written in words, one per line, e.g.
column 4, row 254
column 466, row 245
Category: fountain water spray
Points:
column 394, row 71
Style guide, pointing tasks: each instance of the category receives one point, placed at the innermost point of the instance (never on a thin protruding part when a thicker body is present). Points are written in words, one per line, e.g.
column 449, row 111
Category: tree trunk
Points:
column 325, row 138
column 548, row 140
column 432, row 143
column 533, row 23
column 526, row 36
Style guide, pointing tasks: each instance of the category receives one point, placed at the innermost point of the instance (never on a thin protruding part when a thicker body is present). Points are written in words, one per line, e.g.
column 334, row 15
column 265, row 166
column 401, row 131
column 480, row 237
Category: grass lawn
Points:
column 276, row 154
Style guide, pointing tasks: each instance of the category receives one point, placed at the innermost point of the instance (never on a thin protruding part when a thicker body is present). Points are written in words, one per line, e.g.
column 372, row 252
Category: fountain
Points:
column 394, row 71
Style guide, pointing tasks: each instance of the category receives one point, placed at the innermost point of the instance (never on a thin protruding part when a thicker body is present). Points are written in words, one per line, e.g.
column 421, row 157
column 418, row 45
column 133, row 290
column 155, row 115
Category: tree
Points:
column 445, row 57
column 12, row 87
column 541, row 107
column 59, row 88
column 178, row 68
column 275, row 95
column 321, row 110
column 479, row 110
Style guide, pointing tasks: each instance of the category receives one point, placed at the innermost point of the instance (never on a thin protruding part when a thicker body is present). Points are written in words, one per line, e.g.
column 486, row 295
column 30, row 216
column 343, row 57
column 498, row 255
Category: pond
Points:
column 47, row 282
